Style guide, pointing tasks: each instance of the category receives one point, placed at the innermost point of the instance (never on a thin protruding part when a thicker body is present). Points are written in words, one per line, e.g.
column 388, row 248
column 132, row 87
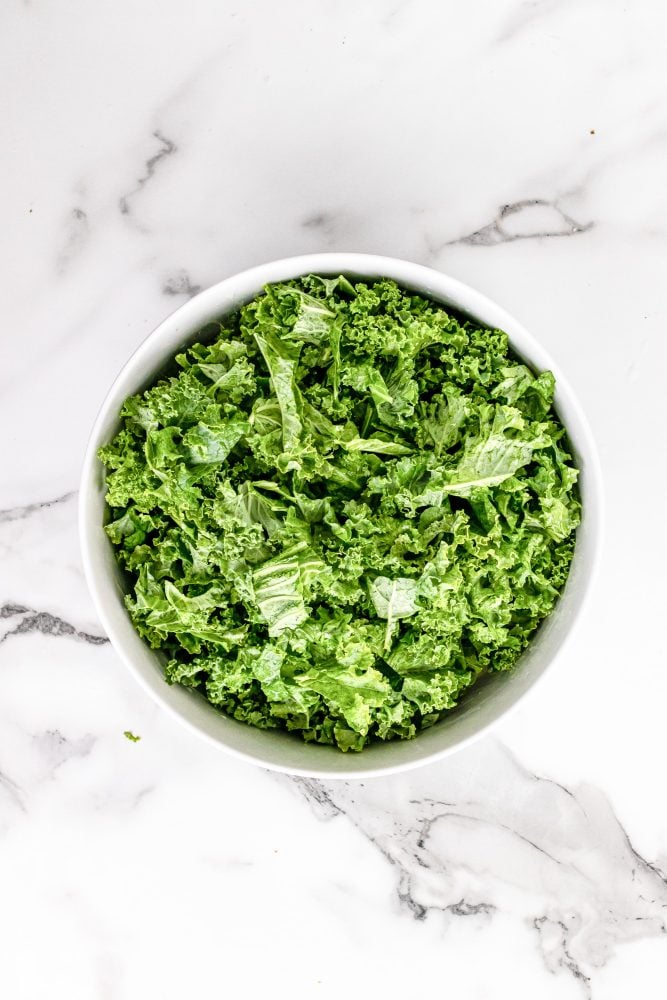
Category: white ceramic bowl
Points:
column 487, row 702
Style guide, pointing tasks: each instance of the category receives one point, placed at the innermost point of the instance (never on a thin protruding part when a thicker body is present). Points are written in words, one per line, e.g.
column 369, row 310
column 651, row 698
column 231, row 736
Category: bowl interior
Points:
column 488, row 700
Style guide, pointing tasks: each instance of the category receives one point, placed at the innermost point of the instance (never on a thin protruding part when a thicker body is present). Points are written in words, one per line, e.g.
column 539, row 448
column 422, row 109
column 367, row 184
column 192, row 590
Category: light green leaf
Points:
column 376, row 445
column 281, row 360
column 393, row 599
column 489, row 457
column 211, row 444
column 280, row 586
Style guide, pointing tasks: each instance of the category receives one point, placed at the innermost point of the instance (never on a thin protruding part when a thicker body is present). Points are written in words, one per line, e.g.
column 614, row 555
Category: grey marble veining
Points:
column 532, row 218
column 28, row 510
column 479, row 834
column 167, row 148
column 23, row 621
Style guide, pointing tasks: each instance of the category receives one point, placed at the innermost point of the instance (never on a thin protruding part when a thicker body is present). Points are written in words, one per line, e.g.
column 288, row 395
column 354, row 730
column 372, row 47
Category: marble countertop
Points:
column 152, row 149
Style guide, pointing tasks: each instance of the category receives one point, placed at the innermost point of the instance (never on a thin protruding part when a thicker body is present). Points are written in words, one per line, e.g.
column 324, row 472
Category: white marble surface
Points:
column 153, row 148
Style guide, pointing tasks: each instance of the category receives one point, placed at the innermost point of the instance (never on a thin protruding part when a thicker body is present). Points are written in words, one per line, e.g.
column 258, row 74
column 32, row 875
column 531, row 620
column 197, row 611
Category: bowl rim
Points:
column 407, row 274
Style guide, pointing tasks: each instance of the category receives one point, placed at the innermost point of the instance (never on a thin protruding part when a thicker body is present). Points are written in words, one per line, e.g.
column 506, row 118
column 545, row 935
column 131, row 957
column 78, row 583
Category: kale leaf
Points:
column 340, row 508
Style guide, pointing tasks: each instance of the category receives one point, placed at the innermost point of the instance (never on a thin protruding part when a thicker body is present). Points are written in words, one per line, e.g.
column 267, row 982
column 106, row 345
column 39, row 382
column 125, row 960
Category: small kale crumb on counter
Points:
column 339, row 508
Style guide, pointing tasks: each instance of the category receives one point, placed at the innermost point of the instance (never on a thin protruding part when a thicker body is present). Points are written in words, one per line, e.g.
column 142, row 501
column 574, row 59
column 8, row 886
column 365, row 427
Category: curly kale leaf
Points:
column 340, row 508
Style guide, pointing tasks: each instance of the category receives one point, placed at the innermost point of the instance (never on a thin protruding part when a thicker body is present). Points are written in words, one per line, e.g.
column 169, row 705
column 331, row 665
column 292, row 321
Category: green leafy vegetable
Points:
column 340, row 508
column 393, row 599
